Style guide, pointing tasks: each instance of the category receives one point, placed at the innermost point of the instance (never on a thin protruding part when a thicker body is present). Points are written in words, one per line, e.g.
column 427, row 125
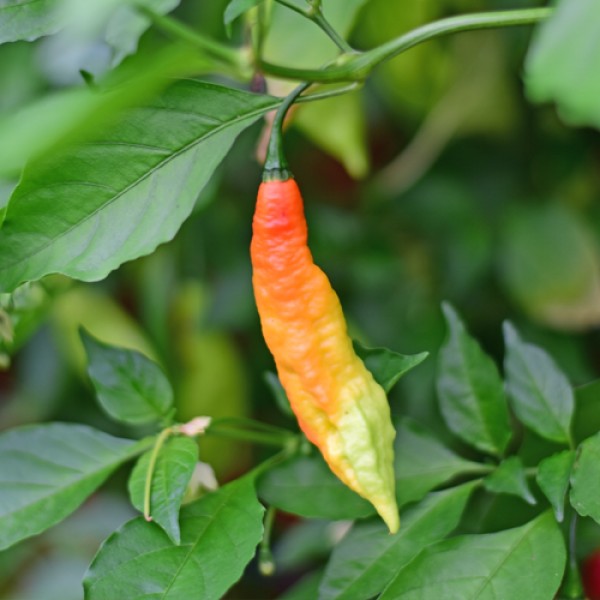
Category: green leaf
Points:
column 28, row 20
column 236, row 8
column 49, row 470
column 509, row 478
column 562, row 63
column 470, row 390
column 423, row 463
column 305, row 486
column 368, row 557
column 307, row 587
column 172, row 473
column 553, row 478
column 127, row 24
column 586, row 421
column 88, row 213
column 556, row 284
column 540, row 393
column 130, row 387
column 219, row 534
column 278, row 392
column 585, row 479
column 295, row 41
column 42, row 128
column 387, row 366
column 522, row 563
column 338, row 126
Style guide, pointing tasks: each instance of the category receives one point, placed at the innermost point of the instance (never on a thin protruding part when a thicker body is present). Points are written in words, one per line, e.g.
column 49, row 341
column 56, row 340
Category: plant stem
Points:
column 276, row 166
column 266, row 564
column 160, row 440
column 243, row 422
column 359, row 66
column 265, row 439
column 187, row 34
column 315, row 14
column 572, row 587
column 319, row 19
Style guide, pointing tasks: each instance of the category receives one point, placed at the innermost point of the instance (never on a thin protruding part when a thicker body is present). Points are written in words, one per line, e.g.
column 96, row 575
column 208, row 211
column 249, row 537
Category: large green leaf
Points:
column 47, row 125
column 522, row 563
column 368, row 557
column 47, row 471
column 510, row 478
column 585, row 479
column 172, row 473
column 130, row 387
column 423, row 463
column 305, row 486
column 119, row 197
column 562, row 64
column 387, row 366
column 553, row 478
column 28, row 20
column 540, row 393
column 219, row 534
column 470, row 390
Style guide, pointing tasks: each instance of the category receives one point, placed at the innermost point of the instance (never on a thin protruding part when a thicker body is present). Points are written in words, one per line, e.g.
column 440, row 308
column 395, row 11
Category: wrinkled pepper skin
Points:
column 339, row 406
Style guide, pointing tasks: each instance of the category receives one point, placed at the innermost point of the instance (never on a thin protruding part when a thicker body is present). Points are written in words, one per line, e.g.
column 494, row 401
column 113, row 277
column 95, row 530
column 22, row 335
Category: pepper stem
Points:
column 276, row 165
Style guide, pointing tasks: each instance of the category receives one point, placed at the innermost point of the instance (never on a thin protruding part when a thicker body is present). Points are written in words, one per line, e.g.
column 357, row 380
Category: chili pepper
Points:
column 339, row 406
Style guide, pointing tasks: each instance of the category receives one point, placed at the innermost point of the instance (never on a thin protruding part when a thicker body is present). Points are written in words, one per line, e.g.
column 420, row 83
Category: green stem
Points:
column 294, row 7
column 160, row 440
column 359, row 66
column 249, row 423
column 319, row 19
column 266, row 564
column 572, row 588
column 276, row 166
column 187, row 34
column 265, row 439
column 315, row 14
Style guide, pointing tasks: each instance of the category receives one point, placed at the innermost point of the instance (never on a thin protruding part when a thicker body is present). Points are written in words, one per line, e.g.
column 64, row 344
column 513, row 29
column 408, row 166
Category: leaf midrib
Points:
column 160, row 165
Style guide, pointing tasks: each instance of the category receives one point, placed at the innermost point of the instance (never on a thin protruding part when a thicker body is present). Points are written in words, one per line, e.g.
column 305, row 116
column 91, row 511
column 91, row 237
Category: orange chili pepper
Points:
column 339, row 406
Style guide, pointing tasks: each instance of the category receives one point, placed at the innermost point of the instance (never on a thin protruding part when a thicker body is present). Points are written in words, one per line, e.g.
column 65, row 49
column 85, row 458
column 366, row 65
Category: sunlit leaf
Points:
column 57, row 120
column 562, row 63
column 28, row 20
column 119, row 197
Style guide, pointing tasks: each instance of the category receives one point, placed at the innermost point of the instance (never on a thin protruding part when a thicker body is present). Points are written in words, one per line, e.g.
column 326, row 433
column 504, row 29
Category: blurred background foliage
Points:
column 437, row 180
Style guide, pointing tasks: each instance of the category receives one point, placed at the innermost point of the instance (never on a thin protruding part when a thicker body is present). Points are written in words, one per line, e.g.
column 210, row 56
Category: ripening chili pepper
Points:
column 339, row 406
